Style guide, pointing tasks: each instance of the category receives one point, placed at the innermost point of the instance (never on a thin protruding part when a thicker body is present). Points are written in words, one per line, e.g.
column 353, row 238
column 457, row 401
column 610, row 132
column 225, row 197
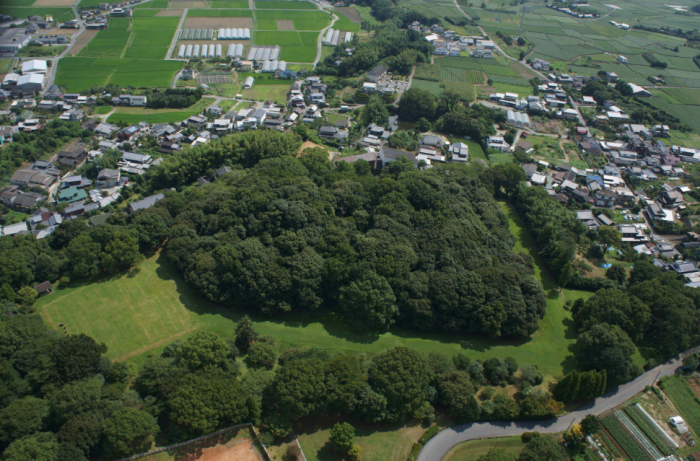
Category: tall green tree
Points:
column 129, row 431
column 245, row 334
column 377, row 111
column 606, row 347
column 543, row 447
column 342, row 437
column 401, row 376
column 368, row 302
column 22, row 417
column 36, row 447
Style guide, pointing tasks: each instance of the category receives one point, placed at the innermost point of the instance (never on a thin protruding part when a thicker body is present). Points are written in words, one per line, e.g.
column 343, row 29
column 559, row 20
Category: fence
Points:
column 201, row 439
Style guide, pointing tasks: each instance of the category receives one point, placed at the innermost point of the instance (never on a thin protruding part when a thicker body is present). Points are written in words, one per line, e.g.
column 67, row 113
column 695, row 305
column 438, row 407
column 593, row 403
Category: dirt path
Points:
column 154, row 345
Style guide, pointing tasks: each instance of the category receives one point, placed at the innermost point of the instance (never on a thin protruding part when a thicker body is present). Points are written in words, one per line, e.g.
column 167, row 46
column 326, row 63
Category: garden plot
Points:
column 214, row 13
column 285, row 24
column 217, row 23
column 214, row 79
column 684, row 399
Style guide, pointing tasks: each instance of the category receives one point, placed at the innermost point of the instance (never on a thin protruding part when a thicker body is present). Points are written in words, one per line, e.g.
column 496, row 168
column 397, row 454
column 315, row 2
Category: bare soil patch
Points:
column 174, row 12
column 351, row 13
column 695, row 386
column 218, row 23
column 82, row 40
column 53, row 3
column 285, row 24
column 243, row 450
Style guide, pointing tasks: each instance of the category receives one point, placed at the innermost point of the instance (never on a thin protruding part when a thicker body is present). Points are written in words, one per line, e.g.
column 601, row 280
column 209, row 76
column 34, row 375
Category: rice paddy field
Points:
column 81, row 73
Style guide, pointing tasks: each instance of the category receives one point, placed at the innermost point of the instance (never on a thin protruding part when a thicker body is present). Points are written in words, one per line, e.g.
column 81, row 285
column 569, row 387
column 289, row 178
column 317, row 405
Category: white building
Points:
column 35, row 66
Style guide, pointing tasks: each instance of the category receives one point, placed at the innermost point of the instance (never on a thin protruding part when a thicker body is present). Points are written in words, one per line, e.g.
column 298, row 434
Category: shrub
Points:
column 527, row 436
column 292, row 453
column 342, row 437
column 429, row 434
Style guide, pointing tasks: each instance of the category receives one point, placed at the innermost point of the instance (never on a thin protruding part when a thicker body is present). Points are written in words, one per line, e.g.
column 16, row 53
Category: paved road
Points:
column 173, row 43
column 319, row 41
column 443, row 442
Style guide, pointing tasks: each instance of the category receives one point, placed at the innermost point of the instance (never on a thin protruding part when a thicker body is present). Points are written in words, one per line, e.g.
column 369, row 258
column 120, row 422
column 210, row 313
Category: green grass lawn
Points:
column 277, row 93
column 5, row 64
column 137, row 313
column 138, row 114
column 379, row 442
column 472, row 450
column 102, row 110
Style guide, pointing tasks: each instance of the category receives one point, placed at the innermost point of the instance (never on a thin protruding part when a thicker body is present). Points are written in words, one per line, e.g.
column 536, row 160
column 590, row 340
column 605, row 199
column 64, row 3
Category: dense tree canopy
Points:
column 423, row 250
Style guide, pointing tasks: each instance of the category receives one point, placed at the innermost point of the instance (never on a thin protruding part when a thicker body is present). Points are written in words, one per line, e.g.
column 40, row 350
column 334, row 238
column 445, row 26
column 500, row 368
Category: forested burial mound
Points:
column 429, row 250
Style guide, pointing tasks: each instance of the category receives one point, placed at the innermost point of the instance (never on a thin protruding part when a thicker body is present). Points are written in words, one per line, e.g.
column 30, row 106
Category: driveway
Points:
column 443, row 442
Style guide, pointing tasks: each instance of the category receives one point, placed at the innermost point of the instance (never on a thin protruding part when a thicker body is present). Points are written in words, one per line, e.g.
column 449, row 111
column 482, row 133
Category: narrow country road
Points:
column 443, row 442
column 544, row 78
column 173, row 43
column 319, row 44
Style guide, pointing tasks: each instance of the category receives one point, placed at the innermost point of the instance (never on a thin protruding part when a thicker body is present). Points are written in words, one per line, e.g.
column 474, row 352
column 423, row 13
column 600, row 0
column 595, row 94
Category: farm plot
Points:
column 649, row 430
column 284, row 24
column 199, row 22
column 238, row 4
column 80, row 73
column 427, row 71
column 684, row 399
column 638, row 435
column 106, row 44
column 284, row 5
column 214, row 13
column 59, row 14
column 82, row 41
column 152, row 37
column 298, row 53
column 624, row 438
column 450, row 74
column 286, row 38
column 688, row 114
column 688, row 95
column 214, row 79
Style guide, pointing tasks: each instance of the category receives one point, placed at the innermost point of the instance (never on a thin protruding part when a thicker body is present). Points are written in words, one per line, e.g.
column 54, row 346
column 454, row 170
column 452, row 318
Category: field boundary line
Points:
column 151, row 346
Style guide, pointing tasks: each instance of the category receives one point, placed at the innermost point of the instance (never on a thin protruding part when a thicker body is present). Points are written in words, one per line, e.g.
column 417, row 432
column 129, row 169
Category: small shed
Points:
column 44, row 288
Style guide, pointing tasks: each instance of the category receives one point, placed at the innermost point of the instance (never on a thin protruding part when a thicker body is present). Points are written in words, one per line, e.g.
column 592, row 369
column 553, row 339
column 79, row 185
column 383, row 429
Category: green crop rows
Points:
column 284, row 5
column 685, row 400
column 636, row 415
column 626, row 441
column 427, row 71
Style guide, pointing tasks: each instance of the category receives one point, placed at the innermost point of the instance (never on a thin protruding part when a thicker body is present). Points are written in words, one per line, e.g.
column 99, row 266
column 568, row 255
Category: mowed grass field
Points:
column 379, row 442
column 138, row 313
column 80, row 73
column 133, row 115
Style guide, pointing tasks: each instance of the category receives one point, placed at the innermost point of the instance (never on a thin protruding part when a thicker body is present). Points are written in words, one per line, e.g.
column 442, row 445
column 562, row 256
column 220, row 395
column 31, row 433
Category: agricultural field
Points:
column 106, row 44
column 348, row 20
column 284, row 5
column 629, row 444
column 216, row 13
column 151, row 37
column 81, row 73
column 24, row 11
column 685, row 400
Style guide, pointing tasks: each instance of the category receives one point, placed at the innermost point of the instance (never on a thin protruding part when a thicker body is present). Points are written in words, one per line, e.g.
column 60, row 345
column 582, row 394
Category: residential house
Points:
column 145, row 203
column 71, row 159
column 377, row 73
column 498, row 143
column 460, row 152
column 108, row 178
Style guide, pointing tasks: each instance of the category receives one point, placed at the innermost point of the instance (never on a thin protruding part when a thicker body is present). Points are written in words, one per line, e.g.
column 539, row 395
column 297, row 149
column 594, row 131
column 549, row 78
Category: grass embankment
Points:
column 472, row 450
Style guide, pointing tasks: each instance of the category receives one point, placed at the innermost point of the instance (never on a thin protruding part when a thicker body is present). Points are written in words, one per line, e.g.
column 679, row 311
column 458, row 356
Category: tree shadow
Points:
column 570, row 331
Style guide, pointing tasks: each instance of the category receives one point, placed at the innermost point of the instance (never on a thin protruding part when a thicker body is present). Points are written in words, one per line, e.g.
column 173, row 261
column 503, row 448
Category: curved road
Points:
column 443, row 442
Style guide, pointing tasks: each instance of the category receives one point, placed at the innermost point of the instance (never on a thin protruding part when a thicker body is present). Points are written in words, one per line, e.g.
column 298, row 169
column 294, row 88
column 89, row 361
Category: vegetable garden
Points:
column 684, row 399
column 624, row 438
